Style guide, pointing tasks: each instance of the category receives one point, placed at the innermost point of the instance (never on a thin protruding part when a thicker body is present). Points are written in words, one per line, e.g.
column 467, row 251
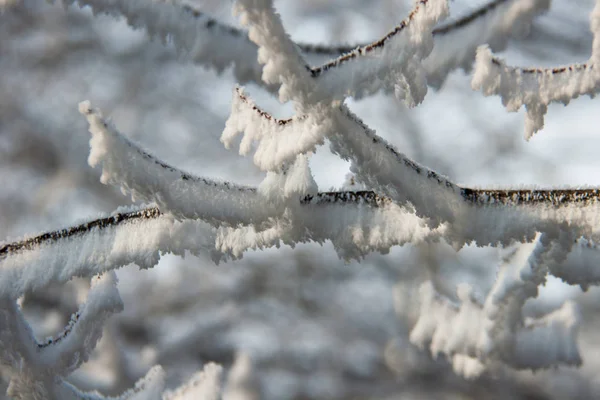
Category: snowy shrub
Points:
column 389, row 199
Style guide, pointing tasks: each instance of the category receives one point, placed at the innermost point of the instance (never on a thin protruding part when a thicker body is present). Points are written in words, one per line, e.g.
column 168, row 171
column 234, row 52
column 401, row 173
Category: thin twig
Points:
column 101, row 223
column 547, row 71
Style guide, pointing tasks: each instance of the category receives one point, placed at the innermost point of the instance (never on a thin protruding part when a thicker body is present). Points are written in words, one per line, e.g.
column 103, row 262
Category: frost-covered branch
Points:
column 211, row 43
column 493, row 24
column 361, row 220
column 480, row 215
column 113, row 220
column 353, row 229
column 126, row 165
column 454, row 46
column 515, row 214
column 457, row 27
column 137, row 236
column 72, row 347
column 37, row 370
column 392, row 61
column 181, row 194
column 357, row 223
column 536, row 88
column 454, row 43
column 376, row 163
column 279, row 141
column 476, row 335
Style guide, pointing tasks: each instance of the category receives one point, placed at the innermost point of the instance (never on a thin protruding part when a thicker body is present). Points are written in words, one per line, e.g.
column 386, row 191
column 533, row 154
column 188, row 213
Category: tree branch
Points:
column 171, row 21
column 536, row 88
column 512, row 197
column 101, row 223
column 366, row 197
column 470, row 211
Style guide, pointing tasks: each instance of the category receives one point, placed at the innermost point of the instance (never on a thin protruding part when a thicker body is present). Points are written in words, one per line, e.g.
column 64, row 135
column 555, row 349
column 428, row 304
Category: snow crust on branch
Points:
column 493, row 24
column 475, row 336
column 354, row 229
column 132, row 168
column 536, row 88
column 379, row 165
column 38, row 369
column 72, row 347
column 375, row 162
column 499, row 333
column 369, row 153
column 370, row 223
column 292, row 181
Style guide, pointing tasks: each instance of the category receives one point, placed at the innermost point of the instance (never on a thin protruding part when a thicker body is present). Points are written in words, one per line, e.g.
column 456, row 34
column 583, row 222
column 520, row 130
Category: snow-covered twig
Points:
column 279, row 140
column 131, row 236
column 115, row 219
column 353, row 229
column 493, row 24
column 37, row 370
column 126, row 165
column 476, row 336
column 361, row 220
column 454, row 28
column 392, row 60
column 536, row 88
